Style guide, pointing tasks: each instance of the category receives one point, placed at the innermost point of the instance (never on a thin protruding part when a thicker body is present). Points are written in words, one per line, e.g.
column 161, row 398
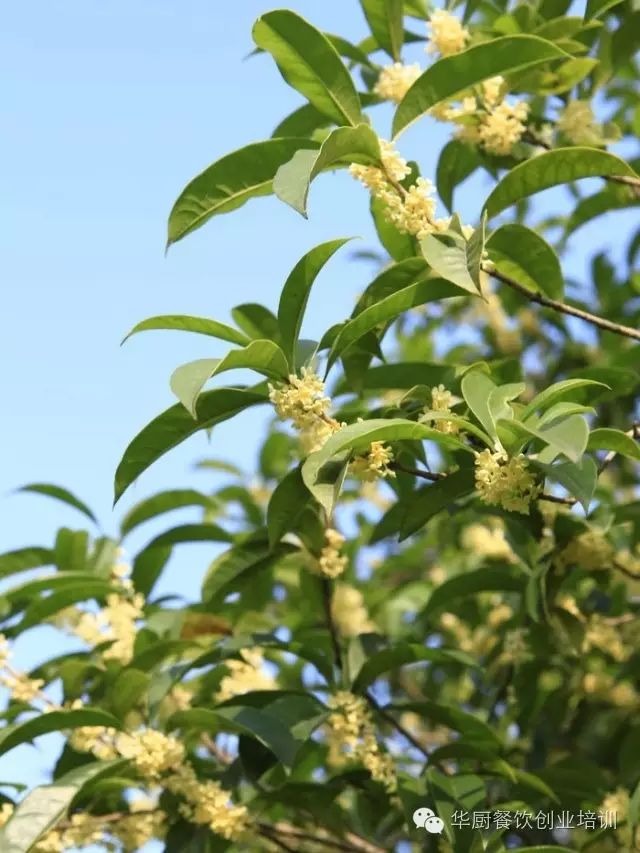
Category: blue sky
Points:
column 111, row 108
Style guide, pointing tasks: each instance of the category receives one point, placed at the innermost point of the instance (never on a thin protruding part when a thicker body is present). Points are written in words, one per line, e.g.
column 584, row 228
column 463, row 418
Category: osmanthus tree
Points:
column 428, row 601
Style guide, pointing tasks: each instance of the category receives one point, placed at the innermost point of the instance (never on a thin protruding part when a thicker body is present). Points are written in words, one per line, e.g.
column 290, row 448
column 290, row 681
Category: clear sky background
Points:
column 111, row 106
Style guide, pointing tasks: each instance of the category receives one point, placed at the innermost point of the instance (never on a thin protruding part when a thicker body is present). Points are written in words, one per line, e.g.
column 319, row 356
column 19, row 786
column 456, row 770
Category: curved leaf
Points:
column 489, row 579
column 560, row 166
column 359, row 436
column 238, row 562
column 451, row 75
column 190, row 533
column 288, row 501
column 456, row 162
column 229, row 182
column 558, row 391
column 295, row 294
column 46, row 805
column 387, row 309
column 159, row 504
column 428, row 501
column 385, row 20
column 343, row 146
column 54, row 721
column 454, row 263
column 174, row 425
column 185, row 323
column 521, row 253
column 401, row 655
column 13, row 562
column 310, row 63
column 60, row 494
column 615, row 441
column 188, row 380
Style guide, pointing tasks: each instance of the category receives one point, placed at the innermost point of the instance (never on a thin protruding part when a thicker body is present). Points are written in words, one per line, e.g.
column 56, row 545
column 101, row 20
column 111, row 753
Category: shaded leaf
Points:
column 560, row 166
column 174, row 425
column 521, row 253
column 310, row 63
column 451, row 75
column 230, row 182
column 188, row 380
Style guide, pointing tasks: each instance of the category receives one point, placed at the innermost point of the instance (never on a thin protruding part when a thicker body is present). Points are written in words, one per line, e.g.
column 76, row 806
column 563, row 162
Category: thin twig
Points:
column 328, row 615
column 386, row 715
column 418, row 472
column 562, row 307
column 556, row 500
column 333, row 843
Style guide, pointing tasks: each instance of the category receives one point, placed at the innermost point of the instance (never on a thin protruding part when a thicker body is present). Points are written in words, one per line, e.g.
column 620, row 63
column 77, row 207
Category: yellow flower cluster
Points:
column 209, row 804
column 130, row 832
column 374, row 464
column 116, row 623
column 505, row 481
column 6, row 810
column 605, row 636
column 20, row 686
column 353, row 737
column 245, row 675
column 303, row 401
column 411, row 211
column 394, row 81
column 447, row 35
column 622, row 694
column 590, row 550
column 487, row 540
column 578, row 123
column 515, row 648
column 331, row 562
column 151, row 751
column 617, row 805
column 487, row 120
column 349, row 612
column 441, row 401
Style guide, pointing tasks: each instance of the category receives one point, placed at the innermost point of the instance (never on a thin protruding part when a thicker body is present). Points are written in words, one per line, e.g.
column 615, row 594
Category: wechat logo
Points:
column 425, row 818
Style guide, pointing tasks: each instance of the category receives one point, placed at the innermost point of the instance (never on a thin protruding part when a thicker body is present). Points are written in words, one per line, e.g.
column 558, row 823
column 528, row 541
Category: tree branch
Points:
column 562, row 307
column 328, row 615
column 386, row 715
column 417, row 472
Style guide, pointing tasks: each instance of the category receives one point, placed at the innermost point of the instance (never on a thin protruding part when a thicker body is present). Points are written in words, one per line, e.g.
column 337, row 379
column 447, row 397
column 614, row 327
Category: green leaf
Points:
column 304, row 121
column 188, row 380
column 13, row 562
column 597, row 8
column 392, row 279
column 54, row 721
column 342, row 146
column 451, row 262
column 238, row 563
column 190, row 533
column 288, row 502
column 185, row 323
column 230, row 182
column 175, row 425
column 558, row 391
column 568, row 436
column 456, row 162
column 578, row 478
column 256, row 723
column 257, row 321
column 402, row 654
column 359, row 436
column 474, row 729
column 295, row 294
column 399, row 246
column 423, row 505
column 490, row 579
column 521, row 253
column 159, row 504
column 560, row 166
column 46, row 805
column 385, row 20
column 450, row 76
column 59, row 494
column 387, row 309
column 310, row 63
column 476, row 389
column 147, row 567
column 615, row 441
